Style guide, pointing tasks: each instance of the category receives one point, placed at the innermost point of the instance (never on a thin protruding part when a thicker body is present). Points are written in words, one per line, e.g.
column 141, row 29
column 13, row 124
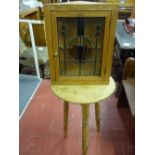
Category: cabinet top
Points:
column 82, row 6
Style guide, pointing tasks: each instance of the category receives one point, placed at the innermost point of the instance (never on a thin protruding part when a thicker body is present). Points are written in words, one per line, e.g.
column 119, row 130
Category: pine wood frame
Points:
column 107, row 10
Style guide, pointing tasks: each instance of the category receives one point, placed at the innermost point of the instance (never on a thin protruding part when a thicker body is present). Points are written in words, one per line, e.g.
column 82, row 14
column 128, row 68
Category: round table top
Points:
column 84, row 94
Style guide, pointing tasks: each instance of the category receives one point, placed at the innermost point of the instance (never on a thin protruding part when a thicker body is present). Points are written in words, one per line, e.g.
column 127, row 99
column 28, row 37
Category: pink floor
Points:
column 41, row 128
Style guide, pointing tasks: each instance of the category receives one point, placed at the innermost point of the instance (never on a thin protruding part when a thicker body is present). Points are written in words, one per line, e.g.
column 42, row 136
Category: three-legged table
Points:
column 83, row 95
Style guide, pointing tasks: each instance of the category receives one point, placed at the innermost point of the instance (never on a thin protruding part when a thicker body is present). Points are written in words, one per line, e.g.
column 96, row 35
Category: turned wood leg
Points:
column 85, row 116
column 66, row 107
column 97, row 115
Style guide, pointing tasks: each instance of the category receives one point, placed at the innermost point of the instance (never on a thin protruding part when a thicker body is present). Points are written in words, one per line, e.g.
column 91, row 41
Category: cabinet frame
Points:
column 52, row 11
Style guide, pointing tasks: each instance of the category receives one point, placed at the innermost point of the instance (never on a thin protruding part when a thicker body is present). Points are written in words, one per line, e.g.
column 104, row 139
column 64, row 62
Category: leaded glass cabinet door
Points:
column 80, row 43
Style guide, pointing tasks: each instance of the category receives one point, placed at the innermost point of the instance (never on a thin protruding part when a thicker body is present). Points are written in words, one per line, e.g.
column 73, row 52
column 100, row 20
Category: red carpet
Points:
column 41, row 128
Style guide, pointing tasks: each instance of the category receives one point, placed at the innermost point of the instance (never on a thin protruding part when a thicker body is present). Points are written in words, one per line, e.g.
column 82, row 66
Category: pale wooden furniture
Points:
column 128, row 9
column 127, row 95
column 83, row 95
column 78, row 33
column 30, row 13
column 125, row 43
column 128, row 3
column 129, row 69
column 48, row 1
column 127, row 87
column 89, row 53
column 39, row 34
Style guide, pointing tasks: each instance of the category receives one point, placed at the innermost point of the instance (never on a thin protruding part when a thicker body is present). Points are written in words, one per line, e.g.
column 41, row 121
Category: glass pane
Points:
column 87, row 68
column 69, row 68
column 80, row 43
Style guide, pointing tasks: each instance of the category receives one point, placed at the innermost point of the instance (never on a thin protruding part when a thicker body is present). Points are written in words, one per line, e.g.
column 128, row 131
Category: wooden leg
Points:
column 97, row 114
column 85, row 116
column 66, row 107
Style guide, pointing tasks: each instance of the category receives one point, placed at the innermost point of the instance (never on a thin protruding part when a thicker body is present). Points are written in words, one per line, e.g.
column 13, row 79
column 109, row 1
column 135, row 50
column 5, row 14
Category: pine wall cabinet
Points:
column 80, row 40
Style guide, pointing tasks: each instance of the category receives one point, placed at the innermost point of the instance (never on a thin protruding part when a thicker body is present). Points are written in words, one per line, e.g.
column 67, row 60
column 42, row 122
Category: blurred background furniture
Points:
column 126, row 8
column 39, row 35
column 127, row 88
column 28, row 4
column 27, row 65
column 27, row 62
column 124, row 48
column 125, row 42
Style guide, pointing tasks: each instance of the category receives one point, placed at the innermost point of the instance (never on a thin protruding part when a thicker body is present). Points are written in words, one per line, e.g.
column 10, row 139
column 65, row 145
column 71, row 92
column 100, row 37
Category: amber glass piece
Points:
column 80, row 44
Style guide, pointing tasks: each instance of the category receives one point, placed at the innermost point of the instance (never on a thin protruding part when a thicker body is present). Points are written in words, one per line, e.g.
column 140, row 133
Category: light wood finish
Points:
column 132, row 14
column 84, row 94
column 85, row 116
column 126, row 13
column 129, row 87
column 128, row 9
column 78, row 89
column 48, row 1
column 80, row 9
column 128, row 3
column 111, row 44
column 49, row 41
column 82, row 6
column 66, row 109
column 32, row 13
column 39, row 34
column 129, row 68
column 97, row 116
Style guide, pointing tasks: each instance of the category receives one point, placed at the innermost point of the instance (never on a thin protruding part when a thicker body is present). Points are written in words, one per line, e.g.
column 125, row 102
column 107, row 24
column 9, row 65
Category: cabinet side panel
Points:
column 49, row 41
column 111, row 44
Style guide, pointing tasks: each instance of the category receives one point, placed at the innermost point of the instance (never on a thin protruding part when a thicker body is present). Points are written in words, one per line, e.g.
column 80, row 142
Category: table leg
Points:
column 66, row 107
column 97, row 115
column 85, row 116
